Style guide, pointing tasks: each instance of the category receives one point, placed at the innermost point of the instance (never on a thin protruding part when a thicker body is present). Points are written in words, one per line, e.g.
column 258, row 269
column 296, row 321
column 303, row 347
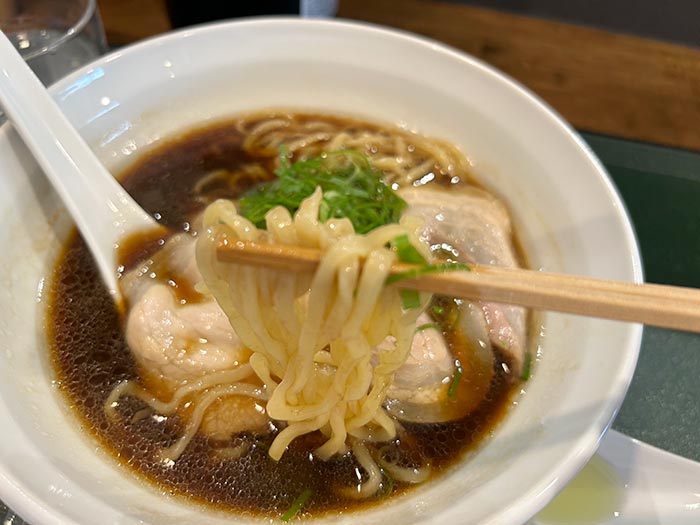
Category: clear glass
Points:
column 54, row 36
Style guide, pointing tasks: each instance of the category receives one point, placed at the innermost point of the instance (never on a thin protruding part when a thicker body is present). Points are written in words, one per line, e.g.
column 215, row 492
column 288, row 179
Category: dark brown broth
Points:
column 91, row 356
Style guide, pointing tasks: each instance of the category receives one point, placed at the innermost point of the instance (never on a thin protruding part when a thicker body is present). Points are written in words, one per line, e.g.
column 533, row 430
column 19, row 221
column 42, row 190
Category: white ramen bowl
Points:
column 569, row 218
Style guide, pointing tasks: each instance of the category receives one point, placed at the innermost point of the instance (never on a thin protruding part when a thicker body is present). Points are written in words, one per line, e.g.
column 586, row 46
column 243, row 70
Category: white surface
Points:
column 647, row 486
column 568, row 217
column 103, row 211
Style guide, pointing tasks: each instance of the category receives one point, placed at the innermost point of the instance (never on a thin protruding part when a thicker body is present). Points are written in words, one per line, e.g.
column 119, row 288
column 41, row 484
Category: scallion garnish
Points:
column 446, row 312
column 428, row 268
column 297, row 505
column 406, row 251
column 455, row 379
column 387, row 486
column 427, row 326
column 409, row 298
column 351, row 187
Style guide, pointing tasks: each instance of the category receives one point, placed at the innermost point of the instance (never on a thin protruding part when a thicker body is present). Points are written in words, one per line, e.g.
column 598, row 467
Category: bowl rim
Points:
column 31, row 507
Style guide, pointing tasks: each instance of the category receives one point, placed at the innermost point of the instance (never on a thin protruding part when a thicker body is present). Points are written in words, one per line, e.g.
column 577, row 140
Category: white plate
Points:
column 628, row 483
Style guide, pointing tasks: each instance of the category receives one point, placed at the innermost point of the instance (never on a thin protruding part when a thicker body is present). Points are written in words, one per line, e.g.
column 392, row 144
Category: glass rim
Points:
column 72, row 31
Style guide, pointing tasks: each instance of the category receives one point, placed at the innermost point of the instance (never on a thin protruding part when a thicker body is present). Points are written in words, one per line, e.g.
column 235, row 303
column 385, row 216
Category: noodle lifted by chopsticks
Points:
column 314, row 336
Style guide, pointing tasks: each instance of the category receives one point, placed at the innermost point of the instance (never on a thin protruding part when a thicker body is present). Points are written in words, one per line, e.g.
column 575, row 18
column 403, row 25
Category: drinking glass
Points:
column 54, row 36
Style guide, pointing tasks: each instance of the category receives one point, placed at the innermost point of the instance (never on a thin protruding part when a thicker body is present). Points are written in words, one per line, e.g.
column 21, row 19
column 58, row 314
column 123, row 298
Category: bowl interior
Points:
column 567, row 214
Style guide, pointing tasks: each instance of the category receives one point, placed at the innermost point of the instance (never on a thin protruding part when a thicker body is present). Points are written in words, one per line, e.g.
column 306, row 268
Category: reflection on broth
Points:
column 266, row 392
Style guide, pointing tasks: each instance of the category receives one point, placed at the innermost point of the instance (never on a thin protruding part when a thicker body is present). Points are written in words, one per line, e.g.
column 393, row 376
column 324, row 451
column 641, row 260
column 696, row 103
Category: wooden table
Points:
column 600, row 81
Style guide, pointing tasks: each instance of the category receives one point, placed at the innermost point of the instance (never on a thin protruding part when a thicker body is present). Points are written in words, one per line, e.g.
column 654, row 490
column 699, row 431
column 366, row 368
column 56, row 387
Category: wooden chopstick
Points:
column 652, row 304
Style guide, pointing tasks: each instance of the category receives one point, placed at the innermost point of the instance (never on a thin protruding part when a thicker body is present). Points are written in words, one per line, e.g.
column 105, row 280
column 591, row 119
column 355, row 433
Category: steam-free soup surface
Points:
column 90, row 356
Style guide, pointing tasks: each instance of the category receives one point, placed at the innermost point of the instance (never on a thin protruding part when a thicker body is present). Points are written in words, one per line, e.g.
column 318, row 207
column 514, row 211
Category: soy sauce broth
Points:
column 90, row 356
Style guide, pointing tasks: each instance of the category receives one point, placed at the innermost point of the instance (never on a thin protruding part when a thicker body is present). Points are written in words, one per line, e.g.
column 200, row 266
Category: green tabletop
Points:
column 661, row 188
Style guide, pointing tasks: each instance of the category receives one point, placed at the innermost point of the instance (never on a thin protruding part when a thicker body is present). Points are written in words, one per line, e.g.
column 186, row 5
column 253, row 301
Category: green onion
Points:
column 427, row 326
column 455, row 379
column 527, row 365
column 297, row 505
column 387, row 486
column 410, row 299
column 428, row 268
column 445, row 311
column 351, row 186
column 406, row 251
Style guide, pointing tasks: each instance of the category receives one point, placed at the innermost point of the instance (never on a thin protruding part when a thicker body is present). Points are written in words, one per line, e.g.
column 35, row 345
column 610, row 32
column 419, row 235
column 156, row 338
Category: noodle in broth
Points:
column 313, row 365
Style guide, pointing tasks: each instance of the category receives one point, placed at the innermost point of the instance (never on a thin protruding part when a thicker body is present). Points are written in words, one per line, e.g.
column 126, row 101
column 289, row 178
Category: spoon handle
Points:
column 103, row 211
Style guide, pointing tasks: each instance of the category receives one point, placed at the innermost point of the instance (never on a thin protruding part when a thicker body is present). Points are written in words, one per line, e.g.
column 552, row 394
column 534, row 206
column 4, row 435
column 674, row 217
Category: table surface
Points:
column 661, row 189
column 659, row 185
column 600, row 81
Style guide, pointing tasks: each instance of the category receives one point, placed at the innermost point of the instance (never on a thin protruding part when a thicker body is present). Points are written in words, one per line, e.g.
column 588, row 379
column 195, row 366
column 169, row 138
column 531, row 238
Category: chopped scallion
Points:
column 351, row 186
column 297, row 505
column 455, row 379
column 446, row 311
column 409, row 298
column 406, row 251
column 387, row 486
column 429, row 268
column 427, row 326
